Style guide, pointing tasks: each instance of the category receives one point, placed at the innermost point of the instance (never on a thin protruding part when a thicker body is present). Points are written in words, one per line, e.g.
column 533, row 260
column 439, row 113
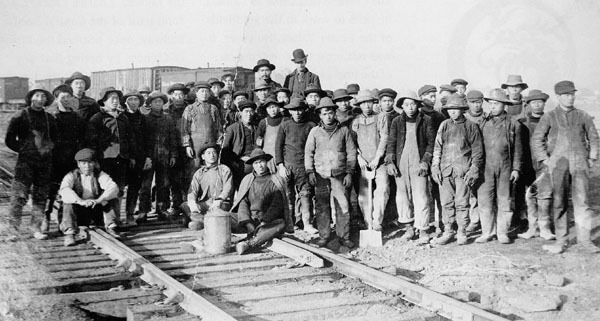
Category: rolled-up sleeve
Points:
column 66, row 191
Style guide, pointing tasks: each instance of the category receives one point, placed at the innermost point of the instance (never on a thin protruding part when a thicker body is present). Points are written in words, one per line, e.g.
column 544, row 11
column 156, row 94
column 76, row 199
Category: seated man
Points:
column 211, row 187
column 87, row 194
column 261, row 204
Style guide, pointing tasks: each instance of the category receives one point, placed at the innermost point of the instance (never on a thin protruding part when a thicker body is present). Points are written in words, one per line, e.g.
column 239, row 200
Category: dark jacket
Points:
column 87, row 108
column 458, row 148
column 290, row 143
column 512, row 131
column 436, row 117
column 137, row 122
column 234, row 143
column 292, row 82
column 20, row 136
column 70, row 137
column 104, row 129
column 250, row 90
column 161, row 139
column 397, row 137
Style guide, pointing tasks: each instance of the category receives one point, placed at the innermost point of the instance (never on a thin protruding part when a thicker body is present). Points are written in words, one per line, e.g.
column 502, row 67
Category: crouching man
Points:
column 262, row 205
column 88, row 194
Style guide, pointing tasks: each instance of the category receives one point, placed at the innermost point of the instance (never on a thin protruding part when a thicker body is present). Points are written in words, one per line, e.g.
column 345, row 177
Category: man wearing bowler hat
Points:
column 88, row 107
column 301, row 77
column 567, row 143
column 262, row 71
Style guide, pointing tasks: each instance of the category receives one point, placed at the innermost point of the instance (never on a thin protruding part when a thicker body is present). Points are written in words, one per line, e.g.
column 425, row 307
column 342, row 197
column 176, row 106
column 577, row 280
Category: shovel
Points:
column 370, row 237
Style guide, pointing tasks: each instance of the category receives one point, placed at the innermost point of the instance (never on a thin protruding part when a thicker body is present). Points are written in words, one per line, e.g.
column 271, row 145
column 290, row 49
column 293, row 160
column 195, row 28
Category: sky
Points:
column 379, row 43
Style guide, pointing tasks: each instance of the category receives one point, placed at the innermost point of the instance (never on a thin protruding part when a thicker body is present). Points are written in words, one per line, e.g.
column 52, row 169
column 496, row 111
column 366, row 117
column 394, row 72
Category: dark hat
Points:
column 240, row 93
column 212, row 81
column 326, row 102
column 246, row 104
column 228, row 74
column 408, row 94
column 296, row 103
column 262, row 63
column 258, row 154
column 458, row 81
column 64, row 88
column 314, row 89
column 298, row 55
column 564, row 87
column 156, row 95
column 282, row 90
column 474, row 95
column 535, row 94
column 449, row 88
column 387, row 92
column 261, row 84
column 131, row 94
column 86, row 154
column 353, row 89
column 329, row 93
column 456, row 101
column 364, row 96
column 144, row 89
column 78, row 75
column 202, row 84
column 340, row 94
column 224, row 92
column 272, row 101
column 497, row 94
column 426, row 89
column 514, row 80
column 190, row 84
column 49, row 97
column 106, row 91
column 178, row 86
column 204, row 147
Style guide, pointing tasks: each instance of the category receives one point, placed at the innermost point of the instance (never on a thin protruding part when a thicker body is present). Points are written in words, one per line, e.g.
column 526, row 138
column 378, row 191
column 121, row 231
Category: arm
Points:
column 476, row 141
column 317, row 81
column 350, row 154
column 13, row 139
column 243, row 213
column 66, row 191
column 260, row 133
column 280, row 144
column 193, row 191
column 592, row 136
column 430, row 135
column 227, row 178
column 186, row 122
column 383, row 125
column 518, row 149
column 309, row 152
column 173, row 139
column 390, row 149
column 111, row 190
column 286, row 82
column 538, row 139
column 437, row 148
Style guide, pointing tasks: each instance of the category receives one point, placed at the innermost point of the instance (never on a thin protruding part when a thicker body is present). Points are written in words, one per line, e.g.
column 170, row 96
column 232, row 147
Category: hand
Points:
column 514, row 176
column 591, row 162
column 374, row 163
column 190, row 152
column 250, row 228
column 172, row 161
column 392, row 170
column 347, row 180
column 362, row 163
column 147, row 164
column 216, row 204
column 87, row 203
column 282, row 171
column 436, row 174
column 423, row 169
column 131, row 163
column 259, row 142
column 312, row 179
column 471, row 177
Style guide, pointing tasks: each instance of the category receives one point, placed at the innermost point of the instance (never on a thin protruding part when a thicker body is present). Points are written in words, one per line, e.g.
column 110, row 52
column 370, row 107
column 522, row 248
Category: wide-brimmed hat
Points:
column 207, row 146
column 240, row 93
column 258, row 154
column 407, row 94
column 328, row 93
column 132, row 94
column 63, row 88
column 282, row 90
column 78, row 75
column 202, row 84
column 296, row 103
column 178, row 86
column 458, row 81
column 387, row 92
column 190, row 84
column 261, row 84
column 536, row 94
column 262, row 63
column 272, row 101
column 448, row 88
column 340, row 94
column 49, row 97
column 364, row 96
column 326, row 102
column 156, row 95
column 144, row 89
column 246, row 104
column 426, row 89
column 456, row 101
column 224, row 92
column 314, row 89
column 497, row 94
column 298, row 55
column 473, row 95
column 227, row 74
column 212, row 81
column 564, row 87
column 514, row 80
column 352, row 89
column 85, row 154
column 106, row 91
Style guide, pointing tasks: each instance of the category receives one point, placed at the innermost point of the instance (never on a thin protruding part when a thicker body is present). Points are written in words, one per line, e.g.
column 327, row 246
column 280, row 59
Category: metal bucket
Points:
column 217, row 232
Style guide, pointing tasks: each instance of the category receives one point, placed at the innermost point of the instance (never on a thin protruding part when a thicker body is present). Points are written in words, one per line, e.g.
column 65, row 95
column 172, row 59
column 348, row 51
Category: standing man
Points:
column 262, row 71
column 239, row 141
column 301, row 77
column 268, row 129
column 514, row 86
column 177, row 94
column 567, row 143
column 229, row 80
column 145, row 92
column 88, row 107
column 343, row 112
column 476, row 115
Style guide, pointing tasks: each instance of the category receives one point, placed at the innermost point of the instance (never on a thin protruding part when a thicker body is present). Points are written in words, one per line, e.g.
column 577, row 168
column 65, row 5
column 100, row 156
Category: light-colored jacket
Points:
column 330, row 154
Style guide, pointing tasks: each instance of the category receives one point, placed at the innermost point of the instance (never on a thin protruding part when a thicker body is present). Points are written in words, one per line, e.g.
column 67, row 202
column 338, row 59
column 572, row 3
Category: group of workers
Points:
column 280, row 158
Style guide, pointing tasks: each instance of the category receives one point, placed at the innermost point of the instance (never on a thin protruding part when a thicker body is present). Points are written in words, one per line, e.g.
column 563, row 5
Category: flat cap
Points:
column 458, row 81
column 353, row 89
column 449, row 88
column 456, row 101
column 86, row 154
column 178, row 86
column 388, row 92
column 473, row 95
column 246, row 104
column 426, row 89
column 564, row 87
column 202, row 84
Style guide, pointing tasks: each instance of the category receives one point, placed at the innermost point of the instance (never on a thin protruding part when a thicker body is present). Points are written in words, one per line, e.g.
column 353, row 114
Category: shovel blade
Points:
column 370, row 238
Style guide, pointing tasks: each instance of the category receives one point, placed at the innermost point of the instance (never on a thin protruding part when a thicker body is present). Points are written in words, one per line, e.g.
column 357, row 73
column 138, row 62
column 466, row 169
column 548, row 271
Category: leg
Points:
column 421, row 200
column 404, row 200
column 544, row 206
column 70, row 221
column 135, row 177
column 19, row 192
column 364, row 193
column 266, row 232
column 504, row 216
column 322, row 207
column 41, row 183
column 473, row 209
column 461, row 205
column 381, row 196
column 338, row 190
column 486, row 196
column 305, row 198
column 145, row 192
column 582, row 211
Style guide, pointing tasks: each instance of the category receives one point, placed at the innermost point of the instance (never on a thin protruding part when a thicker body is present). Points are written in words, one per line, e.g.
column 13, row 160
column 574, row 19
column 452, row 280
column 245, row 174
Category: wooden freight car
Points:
column 244, row 76
column 129, row 79
column 12, row 93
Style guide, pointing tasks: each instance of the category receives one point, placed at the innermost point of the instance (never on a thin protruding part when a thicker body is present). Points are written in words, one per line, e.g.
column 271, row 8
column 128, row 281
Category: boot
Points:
column 483, row 239
column 461, row 237
column 503, row 239
column 527, row 235
column 423, row 238
column 142, row 218
column 472, row 227
column 544, row 219
column 69, row 240
column 130, row 221
column 308, row 228
column 445, row 238
column 585, row 241
column 556, row 247
column 408, row 235
column 242, row 247
column 547, row 234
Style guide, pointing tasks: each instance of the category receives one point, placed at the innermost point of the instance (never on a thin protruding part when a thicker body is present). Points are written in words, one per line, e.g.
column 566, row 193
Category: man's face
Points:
column 177, row 95
column 133, row 103
column 496, row 107
column 475, row 106
column 229, row 83
column 111, row 103
column 537, row 106
column 246, row 115
column 38, row 99
column 215, row 89
column 203, row 94
column 366, row 107
column 86, row 167
column 282, row 97
column 454, row 113
column 514, row 92
column 272, row 110
column 409, row 107
column 157, row 105
column 566, row 100
column 313, row 99
column 66, row 102
column 460, row 88
column 386, row 103
column 343, row 104
column 210, row 156
column 260, row 166
column 297, row 114
column 262, row 94
column 264, row 73
column 430, row 96
column 327, row 115
column 78, row 86
column 226, row 100
column 300, row 65
column 239, row 99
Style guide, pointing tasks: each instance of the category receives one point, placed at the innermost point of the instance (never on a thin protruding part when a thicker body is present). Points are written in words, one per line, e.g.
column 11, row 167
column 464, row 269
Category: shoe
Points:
column 45, row 227
column 195, row 226
column 40, row 236
column 321, row 242
column 472, row 227
column 483, row 239
column 377, row 227
column 445, row 238
column 461, row 238
column 308, row 228
column 438, row 232
column 423, row 238
column 503, row 239
column 347, row 243
column 69, row 240
column 527, row 235
column 142, row 218
column 555, row 248
column 130, row 221
column 408, row 235
column 161, row 216
column 242, row 247
column 112, row 231
column 82, row 235
column 546, row 234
